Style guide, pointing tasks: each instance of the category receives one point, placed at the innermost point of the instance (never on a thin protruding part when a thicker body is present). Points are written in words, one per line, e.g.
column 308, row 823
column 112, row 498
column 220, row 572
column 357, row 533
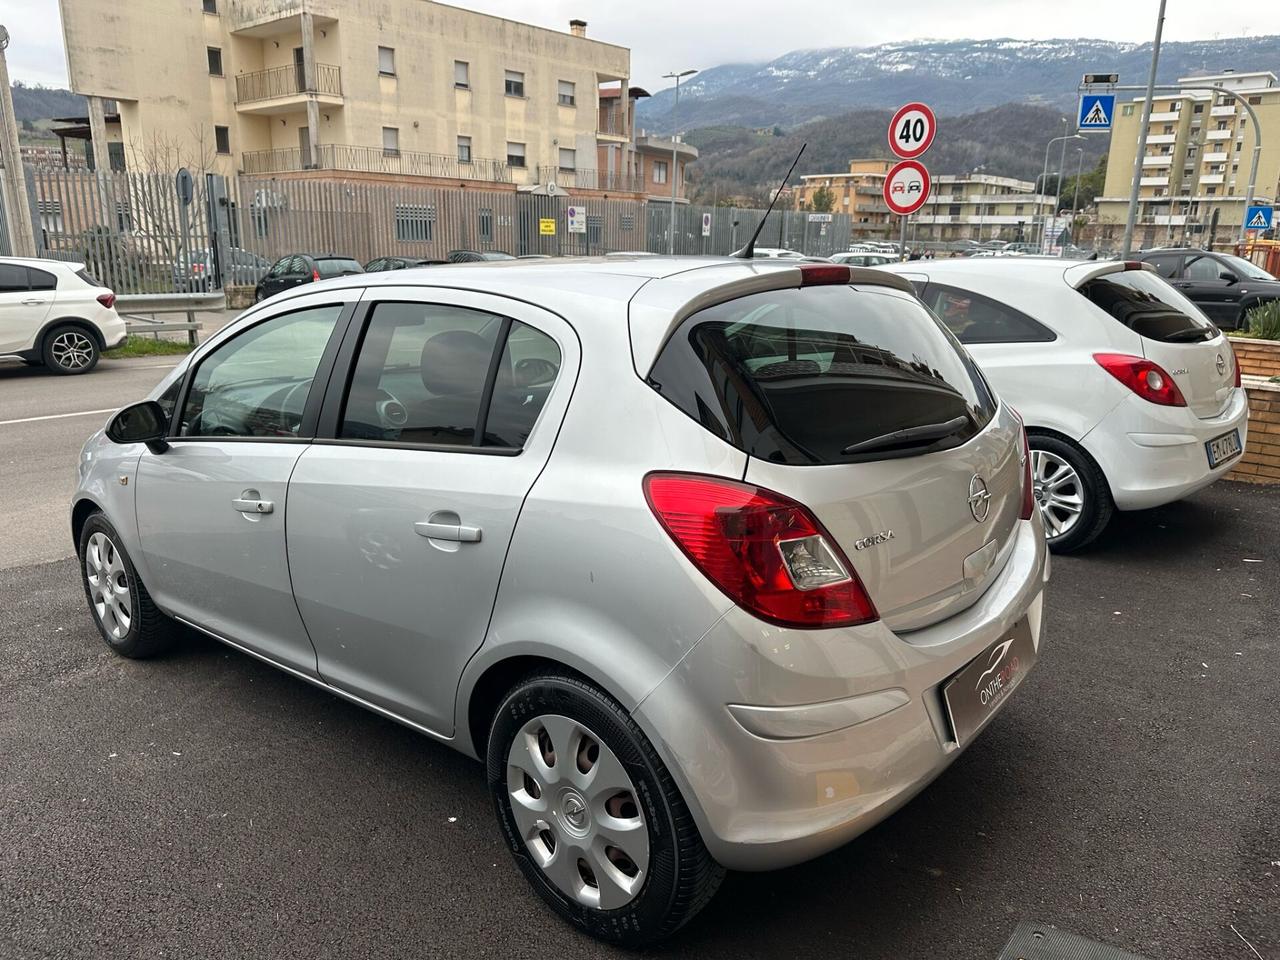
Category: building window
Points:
column 462, row 74
column 124, row 217
column 659, row 171
column 513, row 83
column 1255, row 101
column 486, row 224
column 1211, row 191
column 211, row 6
column 1198, row 108
column 222, row 139
column 464, row 149
column 568, row 159
column 1239, row 144
column 391, row 141
column 1222, row 124
column 515, row 154
column 627, row 221
column 1126, row 110
column 50, row 215
column 215, row 61
column 387, row 61
column 565, row 93
column 415, row 223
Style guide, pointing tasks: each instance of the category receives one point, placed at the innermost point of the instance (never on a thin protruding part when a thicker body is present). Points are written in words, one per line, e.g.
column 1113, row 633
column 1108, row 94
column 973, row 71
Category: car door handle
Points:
column 447, row 531
column 32, row 302
column 253, row 506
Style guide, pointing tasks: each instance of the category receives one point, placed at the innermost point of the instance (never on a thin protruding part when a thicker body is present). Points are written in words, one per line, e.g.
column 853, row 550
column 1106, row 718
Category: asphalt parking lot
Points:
column 205, row 805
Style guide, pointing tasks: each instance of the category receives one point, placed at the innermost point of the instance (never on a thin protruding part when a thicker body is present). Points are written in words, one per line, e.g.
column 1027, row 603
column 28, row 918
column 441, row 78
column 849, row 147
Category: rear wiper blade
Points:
column 925, row 433
column 1188, row 334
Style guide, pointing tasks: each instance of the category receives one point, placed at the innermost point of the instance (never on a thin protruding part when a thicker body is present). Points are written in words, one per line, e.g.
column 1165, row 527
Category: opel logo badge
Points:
column 575, row 811
column 979, row 498
column 1222, row 364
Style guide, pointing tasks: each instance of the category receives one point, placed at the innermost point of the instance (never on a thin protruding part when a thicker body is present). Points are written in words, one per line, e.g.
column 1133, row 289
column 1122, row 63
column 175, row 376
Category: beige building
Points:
column 859, row 193
column 403, row 88
column 1199, row 148
column 979, row 206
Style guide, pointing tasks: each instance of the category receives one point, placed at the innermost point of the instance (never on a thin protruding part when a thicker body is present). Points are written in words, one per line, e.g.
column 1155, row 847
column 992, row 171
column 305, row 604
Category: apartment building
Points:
column 381, row 88
column 859, row 193
column 654, row 170
column 1196, row 166
column 981, row 206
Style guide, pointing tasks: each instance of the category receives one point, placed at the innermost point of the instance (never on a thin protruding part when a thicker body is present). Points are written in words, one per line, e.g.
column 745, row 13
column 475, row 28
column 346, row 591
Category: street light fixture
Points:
column 675, row 130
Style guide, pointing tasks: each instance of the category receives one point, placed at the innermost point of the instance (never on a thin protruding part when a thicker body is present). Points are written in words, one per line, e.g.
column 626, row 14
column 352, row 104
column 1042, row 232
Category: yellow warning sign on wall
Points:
column 547, row 227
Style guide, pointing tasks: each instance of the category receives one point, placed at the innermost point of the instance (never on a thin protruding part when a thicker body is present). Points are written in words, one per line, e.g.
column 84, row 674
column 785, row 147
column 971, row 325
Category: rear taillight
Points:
column 1028, row 485
column 197, row 268
column 823, row 274
column 1148, row 380
column 315, row 275
column 107, row 299
column 766, row 552
column 1235, row 362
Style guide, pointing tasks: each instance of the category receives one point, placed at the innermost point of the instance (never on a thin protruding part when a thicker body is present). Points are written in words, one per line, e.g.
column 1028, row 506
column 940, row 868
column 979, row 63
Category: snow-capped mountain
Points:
column 953, row 76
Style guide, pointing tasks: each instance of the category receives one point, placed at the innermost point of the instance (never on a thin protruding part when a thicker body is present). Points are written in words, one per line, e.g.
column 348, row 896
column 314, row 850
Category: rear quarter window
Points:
column 797, row 376
column 337, row 268
column 1148, row 306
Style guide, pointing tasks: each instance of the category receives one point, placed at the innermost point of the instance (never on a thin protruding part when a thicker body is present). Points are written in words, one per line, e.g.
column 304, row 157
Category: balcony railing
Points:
column 287, row 81
column 610, row 123
column 591, row 179
column 338, row 156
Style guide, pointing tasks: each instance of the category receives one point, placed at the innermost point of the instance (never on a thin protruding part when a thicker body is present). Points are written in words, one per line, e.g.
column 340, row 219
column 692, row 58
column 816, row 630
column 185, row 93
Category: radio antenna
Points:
column 749, row 251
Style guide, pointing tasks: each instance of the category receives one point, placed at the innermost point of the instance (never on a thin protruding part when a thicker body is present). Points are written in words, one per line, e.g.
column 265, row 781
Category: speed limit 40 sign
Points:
column 911, row 131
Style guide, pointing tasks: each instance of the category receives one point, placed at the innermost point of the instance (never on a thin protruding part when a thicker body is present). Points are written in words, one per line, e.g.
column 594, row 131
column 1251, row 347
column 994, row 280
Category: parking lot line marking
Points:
column 57, row 416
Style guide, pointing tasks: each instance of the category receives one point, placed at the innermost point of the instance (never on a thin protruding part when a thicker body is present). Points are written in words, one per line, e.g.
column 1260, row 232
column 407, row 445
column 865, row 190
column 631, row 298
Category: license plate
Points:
column 982, row 687
column 1223, row 448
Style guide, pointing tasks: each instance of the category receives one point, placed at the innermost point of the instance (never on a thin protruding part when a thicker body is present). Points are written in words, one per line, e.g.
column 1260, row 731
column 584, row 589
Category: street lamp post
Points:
column 1075, row 195
column 675, row 109
column 1044, row 175
column 1131, row 217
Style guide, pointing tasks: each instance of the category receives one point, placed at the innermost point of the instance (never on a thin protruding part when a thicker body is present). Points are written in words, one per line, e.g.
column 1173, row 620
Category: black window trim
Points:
column 315, row 398
column 339, row 385
column 1049, row 335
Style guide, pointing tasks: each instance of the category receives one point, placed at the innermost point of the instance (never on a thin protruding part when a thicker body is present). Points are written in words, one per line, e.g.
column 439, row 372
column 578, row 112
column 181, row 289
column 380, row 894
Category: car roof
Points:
column 1021, row 269
column 44, row 262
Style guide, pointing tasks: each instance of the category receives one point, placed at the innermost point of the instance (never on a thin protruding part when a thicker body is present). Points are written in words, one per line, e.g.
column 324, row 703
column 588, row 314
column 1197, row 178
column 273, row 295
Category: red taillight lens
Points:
column 107, row 299
column 315, row 275
column 820, row 274
column 1148, row 380
column 197, row 268
column 1235, row 362
column 766, row 552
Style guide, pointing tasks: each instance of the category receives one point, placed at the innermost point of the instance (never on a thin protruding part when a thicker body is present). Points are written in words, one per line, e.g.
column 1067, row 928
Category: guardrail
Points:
column 152, row 304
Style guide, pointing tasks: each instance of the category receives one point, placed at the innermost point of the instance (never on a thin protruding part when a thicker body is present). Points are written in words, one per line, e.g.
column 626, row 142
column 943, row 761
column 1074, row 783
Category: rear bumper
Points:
column 1153, row 455
column 782, row 795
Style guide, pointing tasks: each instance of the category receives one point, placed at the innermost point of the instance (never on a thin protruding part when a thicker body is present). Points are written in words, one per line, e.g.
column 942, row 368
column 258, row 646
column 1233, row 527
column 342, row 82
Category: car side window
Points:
column 1166, row 266
column 41, row 279
column 297, row 267
column 257, row 383
column 1203, row 268
column 526, row 373
column 974, row 318
column 373, row 266
column 279, row 267
column 13, row 278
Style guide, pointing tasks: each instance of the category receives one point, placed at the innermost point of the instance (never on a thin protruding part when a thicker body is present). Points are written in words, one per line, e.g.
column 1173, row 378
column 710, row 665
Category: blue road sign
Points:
column 1257, row 218
column 1096, row 111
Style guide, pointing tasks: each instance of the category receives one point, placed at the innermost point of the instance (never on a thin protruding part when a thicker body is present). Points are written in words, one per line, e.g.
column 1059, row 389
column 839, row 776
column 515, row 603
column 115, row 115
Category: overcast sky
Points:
column 669, row 35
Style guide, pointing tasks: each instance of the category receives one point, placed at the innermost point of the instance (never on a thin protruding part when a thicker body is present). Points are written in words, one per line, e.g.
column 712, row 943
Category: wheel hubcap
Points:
column 108, row 585
column 1059, row 492
column 72, row 350
column 577, row 811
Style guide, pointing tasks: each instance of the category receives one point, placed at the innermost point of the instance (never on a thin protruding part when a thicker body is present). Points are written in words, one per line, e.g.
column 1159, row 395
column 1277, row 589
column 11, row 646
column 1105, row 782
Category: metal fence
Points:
column 136, row 235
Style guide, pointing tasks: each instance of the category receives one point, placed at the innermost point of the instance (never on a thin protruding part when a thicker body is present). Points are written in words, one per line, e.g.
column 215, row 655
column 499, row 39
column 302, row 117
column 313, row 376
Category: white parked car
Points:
column 775, row 253
column 1131, row 396
column 54, row 313
column 863, row 259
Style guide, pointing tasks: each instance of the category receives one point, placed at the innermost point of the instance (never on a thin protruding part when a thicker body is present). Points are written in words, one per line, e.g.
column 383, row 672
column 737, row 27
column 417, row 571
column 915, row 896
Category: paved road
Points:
column 205, row 805
column 44, row 420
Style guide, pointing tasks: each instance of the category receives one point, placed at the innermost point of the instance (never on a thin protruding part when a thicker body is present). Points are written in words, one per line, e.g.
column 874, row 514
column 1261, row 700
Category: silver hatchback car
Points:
column 714, row 563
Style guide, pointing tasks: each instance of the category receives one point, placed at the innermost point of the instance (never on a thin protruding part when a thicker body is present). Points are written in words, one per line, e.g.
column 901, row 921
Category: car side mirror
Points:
column 1228, row 276
column 143, row 422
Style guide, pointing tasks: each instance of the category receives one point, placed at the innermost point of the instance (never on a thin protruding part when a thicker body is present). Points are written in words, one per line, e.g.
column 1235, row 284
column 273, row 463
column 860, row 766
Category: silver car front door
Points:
column 398, row 524
column 211, row 507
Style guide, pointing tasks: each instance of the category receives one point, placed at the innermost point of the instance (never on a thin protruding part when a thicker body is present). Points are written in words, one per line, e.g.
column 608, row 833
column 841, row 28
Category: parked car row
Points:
column 56, row 315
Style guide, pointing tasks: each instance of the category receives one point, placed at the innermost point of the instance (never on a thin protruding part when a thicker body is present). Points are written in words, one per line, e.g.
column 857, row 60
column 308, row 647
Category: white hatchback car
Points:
column 1131, row 396
column 53, row 313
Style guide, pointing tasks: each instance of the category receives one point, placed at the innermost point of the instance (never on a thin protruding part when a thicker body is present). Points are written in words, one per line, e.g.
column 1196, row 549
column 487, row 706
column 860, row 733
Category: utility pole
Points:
column 22, row 235
column 675, row 131
column 1075, row 197
column 1126, row 246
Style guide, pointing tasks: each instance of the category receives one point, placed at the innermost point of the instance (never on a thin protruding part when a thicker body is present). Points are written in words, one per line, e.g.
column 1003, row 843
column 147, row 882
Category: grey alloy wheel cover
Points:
column 1059, row 493
column 72, row 350
column 108, row 585
column 569, row 818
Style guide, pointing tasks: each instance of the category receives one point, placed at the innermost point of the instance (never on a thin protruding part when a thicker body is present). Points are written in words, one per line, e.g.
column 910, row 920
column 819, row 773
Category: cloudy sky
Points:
column 668, row 35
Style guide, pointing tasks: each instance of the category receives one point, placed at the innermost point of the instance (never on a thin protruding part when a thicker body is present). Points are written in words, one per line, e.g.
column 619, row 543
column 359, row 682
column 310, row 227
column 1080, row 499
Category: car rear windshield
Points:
column 1146, row 304
column 333, row 267
column 799, row 376
column 87, row 277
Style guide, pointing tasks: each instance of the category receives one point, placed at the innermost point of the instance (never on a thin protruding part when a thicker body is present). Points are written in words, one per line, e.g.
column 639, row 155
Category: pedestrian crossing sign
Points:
column 1096, row 111
column 1257, row 218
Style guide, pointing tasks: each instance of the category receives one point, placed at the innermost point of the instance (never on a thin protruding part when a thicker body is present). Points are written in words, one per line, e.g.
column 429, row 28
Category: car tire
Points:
column 69, row 350
column 122, row 610
column 663, row 877
column 1071, row 491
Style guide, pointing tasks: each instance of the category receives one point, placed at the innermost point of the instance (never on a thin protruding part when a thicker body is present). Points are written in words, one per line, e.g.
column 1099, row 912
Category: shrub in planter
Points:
column 1264, row 320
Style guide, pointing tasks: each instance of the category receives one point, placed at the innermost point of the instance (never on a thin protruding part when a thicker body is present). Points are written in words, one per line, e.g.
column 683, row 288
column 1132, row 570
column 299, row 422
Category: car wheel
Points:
column 70, row 350
column 592, row 816
column 1071, row 491
column 122, row 610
